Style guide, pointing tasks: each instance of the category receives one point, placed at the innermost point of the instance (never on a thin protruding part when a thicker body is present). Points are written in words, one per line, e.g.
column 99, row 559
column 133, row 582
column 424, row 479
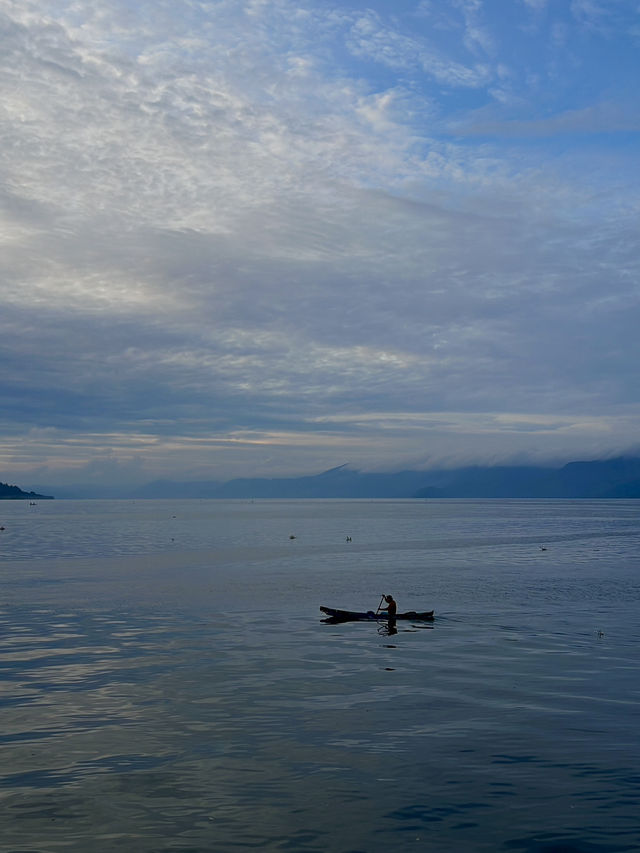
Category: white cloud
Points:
column 234, row 226
column 370, row 38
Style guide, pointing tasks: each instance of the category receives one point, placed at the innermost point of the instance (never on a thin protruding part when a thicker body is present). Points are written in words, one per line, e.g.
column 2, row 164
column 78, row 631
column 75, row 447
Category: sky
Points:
column 270, row 237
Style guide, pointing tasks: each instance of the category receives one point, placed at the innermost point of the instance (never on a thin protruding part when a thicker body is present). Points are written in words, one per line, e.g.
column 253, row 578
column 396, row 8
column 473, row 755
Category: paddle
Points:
column 380, row 605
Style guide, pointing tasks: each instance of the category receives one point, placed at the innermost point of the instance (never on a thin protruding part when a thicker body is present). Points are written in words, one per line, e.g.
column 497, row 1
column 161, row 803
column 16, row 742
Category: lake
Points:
column 167, row 683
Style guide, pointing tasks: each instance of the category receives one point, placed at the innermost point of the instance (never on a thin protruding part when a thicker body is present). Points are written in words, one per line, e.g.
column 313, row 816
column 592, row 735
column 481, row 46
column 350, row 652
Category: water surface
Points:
column 167, row 682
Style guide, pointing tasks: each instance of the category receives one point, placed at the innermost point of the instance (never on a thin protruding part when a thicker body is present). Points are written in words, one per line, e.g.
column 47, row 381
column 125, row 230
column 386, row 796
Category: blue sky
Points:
column 270, row 237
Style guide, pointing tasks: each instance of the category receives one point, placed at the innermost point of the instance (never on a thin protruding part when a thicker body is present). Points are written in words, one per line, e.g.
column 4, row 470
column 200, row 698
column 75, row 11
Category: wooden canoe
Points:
column 368, row 616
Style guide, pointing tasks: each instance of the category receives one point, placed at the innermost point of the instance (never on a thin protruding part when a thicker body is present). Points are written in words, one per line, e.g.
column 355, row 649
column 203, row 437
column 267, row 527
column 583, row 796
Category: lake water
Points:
column 167, row 684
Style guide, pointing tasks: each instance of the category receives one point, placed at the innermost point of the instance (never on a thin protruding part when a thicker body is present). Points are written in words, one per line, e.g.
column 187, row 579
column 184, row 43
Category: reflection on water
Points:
column 199, row 703
column 250, row 731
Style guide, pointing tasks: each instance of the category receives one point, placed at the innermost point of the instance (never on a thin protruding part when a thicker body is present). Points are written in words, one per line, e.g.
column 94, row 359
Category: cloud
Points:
column 590, row 13
column 370, row 38
column 234, row 232
column 603, row 118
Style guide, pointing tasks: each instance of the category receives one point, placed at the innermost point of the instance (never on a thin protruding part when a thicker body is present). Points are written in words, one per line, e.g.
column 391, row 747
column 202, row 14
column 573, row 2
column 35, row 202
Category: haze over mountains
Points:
column 611, row 478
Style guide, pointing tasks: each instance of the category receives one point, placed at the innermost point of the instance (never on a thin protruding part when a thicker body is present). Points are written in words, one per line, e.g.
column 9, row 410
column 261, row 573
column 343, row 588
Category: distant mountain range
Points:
column 13, row 493
column 610, row 478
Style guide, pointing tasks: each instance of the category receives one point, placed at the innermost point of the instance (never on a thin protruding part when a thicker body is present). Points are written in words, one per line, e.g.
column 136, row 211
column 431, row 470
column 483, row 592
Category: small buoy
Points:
column 542, row 548
column 292, row 536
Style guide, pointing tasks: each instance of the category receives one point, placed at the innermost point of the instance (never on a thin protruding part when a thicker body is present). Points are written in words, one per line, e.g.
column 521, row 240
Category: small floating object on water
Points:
column 292, row 536
column 348, row 539
column 542, row 548
column 601, row 633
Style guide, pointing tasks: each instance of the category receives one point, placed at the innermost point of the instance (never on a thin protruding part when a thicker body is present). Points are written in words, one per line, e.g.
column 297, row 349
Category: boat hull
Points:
column 369, row 616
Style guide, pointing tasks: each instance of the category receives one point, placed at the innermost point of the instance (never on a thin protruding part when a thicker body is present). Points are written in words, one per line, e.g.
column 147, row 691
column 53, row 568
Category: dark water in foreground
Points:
column 166, row 683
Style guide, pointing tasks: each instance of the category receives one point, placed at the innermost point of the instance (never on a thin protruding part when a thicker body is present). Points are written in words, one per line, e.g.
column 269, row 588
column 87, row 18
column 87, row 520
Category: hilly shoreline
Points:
column 14, row 493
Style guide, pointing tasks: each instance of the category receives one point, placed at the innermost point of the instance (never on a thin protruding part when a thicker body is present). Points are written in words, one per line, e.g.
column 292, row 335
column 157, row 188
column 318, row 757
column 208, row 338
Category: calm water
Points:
column 167, row 684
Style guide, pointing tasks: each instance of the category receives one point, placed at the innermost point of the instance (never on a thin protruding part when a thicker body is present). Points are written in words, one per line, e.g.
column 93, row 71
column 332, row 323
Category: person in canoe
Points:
column 392, row 608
